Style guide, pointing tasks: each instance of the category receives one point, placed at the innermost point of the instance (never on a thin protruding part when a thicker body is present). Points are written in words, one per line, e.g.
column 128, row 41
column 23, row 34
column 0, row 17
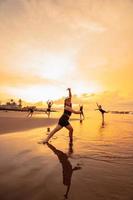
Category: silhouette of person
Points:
column 64, row 119
column 49, row 104
column 82, row 113
column 101, row 111
column 30, row 112
column 67, row 169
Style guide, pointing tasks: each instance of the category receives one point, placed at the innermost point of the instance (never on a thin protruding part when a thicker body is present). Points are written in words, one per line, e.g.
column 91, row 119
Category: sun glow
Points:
column 48, row 65
column 51, row 74
column 37, row 93
column 56, row 66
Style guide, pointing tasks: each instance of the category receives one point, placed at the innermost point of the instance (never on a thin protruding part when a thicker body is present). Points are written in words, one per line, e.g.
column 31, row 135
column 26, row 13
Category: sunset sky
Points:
column 49, row 45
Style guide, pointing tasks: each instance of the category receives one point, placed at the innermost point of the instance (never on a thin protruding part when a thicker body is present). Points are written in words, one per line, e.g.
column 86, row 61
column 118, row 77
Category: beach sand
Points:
column 18, row 121
column 98, row 165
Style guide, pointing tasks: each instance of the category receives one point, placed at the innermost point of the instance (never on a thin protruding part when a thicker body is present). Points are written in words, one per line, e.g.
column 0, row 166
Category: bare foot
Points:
column 42, row 142
column 45, row 142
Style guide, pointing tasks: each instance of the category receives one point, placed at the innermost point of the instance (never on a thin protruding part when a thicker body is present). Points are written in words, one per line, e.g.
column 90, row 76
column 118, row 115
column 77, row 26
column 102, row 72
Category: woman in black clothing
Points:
column 82, row 113
column 64, row 119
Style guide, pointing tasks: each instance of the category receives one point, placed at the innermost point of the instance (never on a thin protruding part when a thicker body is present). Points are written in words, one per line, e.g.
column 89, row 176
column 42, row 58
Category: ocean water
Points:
column 97, row 165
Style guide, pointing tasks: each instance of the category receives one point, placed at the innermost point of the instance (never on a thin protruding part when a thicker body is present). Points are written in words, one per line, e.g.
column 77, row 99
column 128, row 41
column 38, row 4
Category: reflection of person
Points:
column 67, row 168
column 64, row 119
column 30, row 110
column 49, row 104
column 101, row 111
column 82, row 113
column 101, row 131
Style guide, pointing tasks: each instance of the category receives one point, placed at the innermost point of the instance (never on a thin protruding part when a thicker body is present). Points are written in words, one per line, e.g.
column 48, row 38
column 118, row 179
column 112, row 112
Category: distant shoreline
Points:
column 44, row 110
column 25, row 110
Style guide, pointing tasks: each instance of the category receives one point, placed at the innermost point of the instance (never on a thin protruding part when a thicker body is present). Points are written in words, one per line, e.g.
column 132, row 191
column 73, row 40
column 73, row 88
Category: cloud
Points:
column 11, row 79
column 110, row 101
column 94, row 37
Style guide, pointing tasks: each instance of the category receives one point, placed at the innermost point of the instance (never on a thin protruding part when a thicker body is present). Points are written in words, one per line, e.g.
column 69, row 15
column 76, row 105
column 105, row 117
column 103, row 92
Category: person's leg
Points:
column 83, row 115
column 70, row 128
column 28, row 114
column 46, row 112
column 49, row 114
column 102, row 118
column 57, row 128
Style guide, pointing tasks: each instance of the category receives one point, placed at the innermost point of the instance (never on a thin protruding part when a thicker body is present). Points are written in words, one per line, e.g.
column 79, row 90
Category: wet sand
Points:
column 98, row 165
column 18, row 121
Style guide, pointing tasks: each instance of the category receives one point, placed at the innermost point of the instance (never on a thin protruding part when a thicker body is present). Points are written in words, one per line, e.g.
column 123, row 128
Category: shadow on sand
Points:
column 14, row 124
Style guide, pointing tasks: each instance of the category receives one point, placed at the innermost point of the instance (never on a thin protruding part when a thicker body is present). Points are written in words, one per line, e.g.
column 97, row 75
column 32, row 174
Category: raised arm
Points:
column 70, row 93
column 97, row 105
column 52, row 102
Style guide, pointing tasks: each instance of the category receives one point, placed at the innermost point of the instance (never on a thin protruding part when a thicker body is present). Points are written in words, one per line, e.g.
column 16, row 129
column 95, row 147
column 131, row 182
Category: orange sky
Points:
column 47, row 46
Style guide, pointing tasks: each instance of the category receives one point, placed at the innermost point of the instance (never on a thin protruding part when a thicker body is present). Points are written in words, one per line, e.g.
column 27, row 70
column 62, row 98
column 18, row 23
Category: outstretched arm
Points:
column 70, row 93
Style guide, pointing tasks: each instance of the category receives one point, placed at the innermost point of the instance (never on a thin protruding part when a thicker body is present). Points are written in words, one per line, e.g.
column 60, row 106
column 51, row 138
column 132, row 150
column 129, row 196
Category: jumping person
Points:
column 64, row 119
column 101, row 111
column 49, row 104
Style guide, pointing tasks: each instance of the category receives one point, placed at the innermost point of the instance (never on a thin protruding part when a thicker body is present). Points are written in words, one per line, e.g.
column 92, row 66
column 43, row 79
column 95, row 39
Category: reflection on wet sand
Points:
column 67, row 168
column 101, row 131
column 102, row 126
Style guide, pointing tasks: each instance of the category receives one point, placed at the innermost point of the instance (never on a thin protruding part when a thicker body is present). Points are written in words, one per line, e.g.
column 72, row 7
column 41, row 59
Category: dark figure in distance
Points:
column 82, row 113
column 102, row 112
column 31, row 111
column 49, row 104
